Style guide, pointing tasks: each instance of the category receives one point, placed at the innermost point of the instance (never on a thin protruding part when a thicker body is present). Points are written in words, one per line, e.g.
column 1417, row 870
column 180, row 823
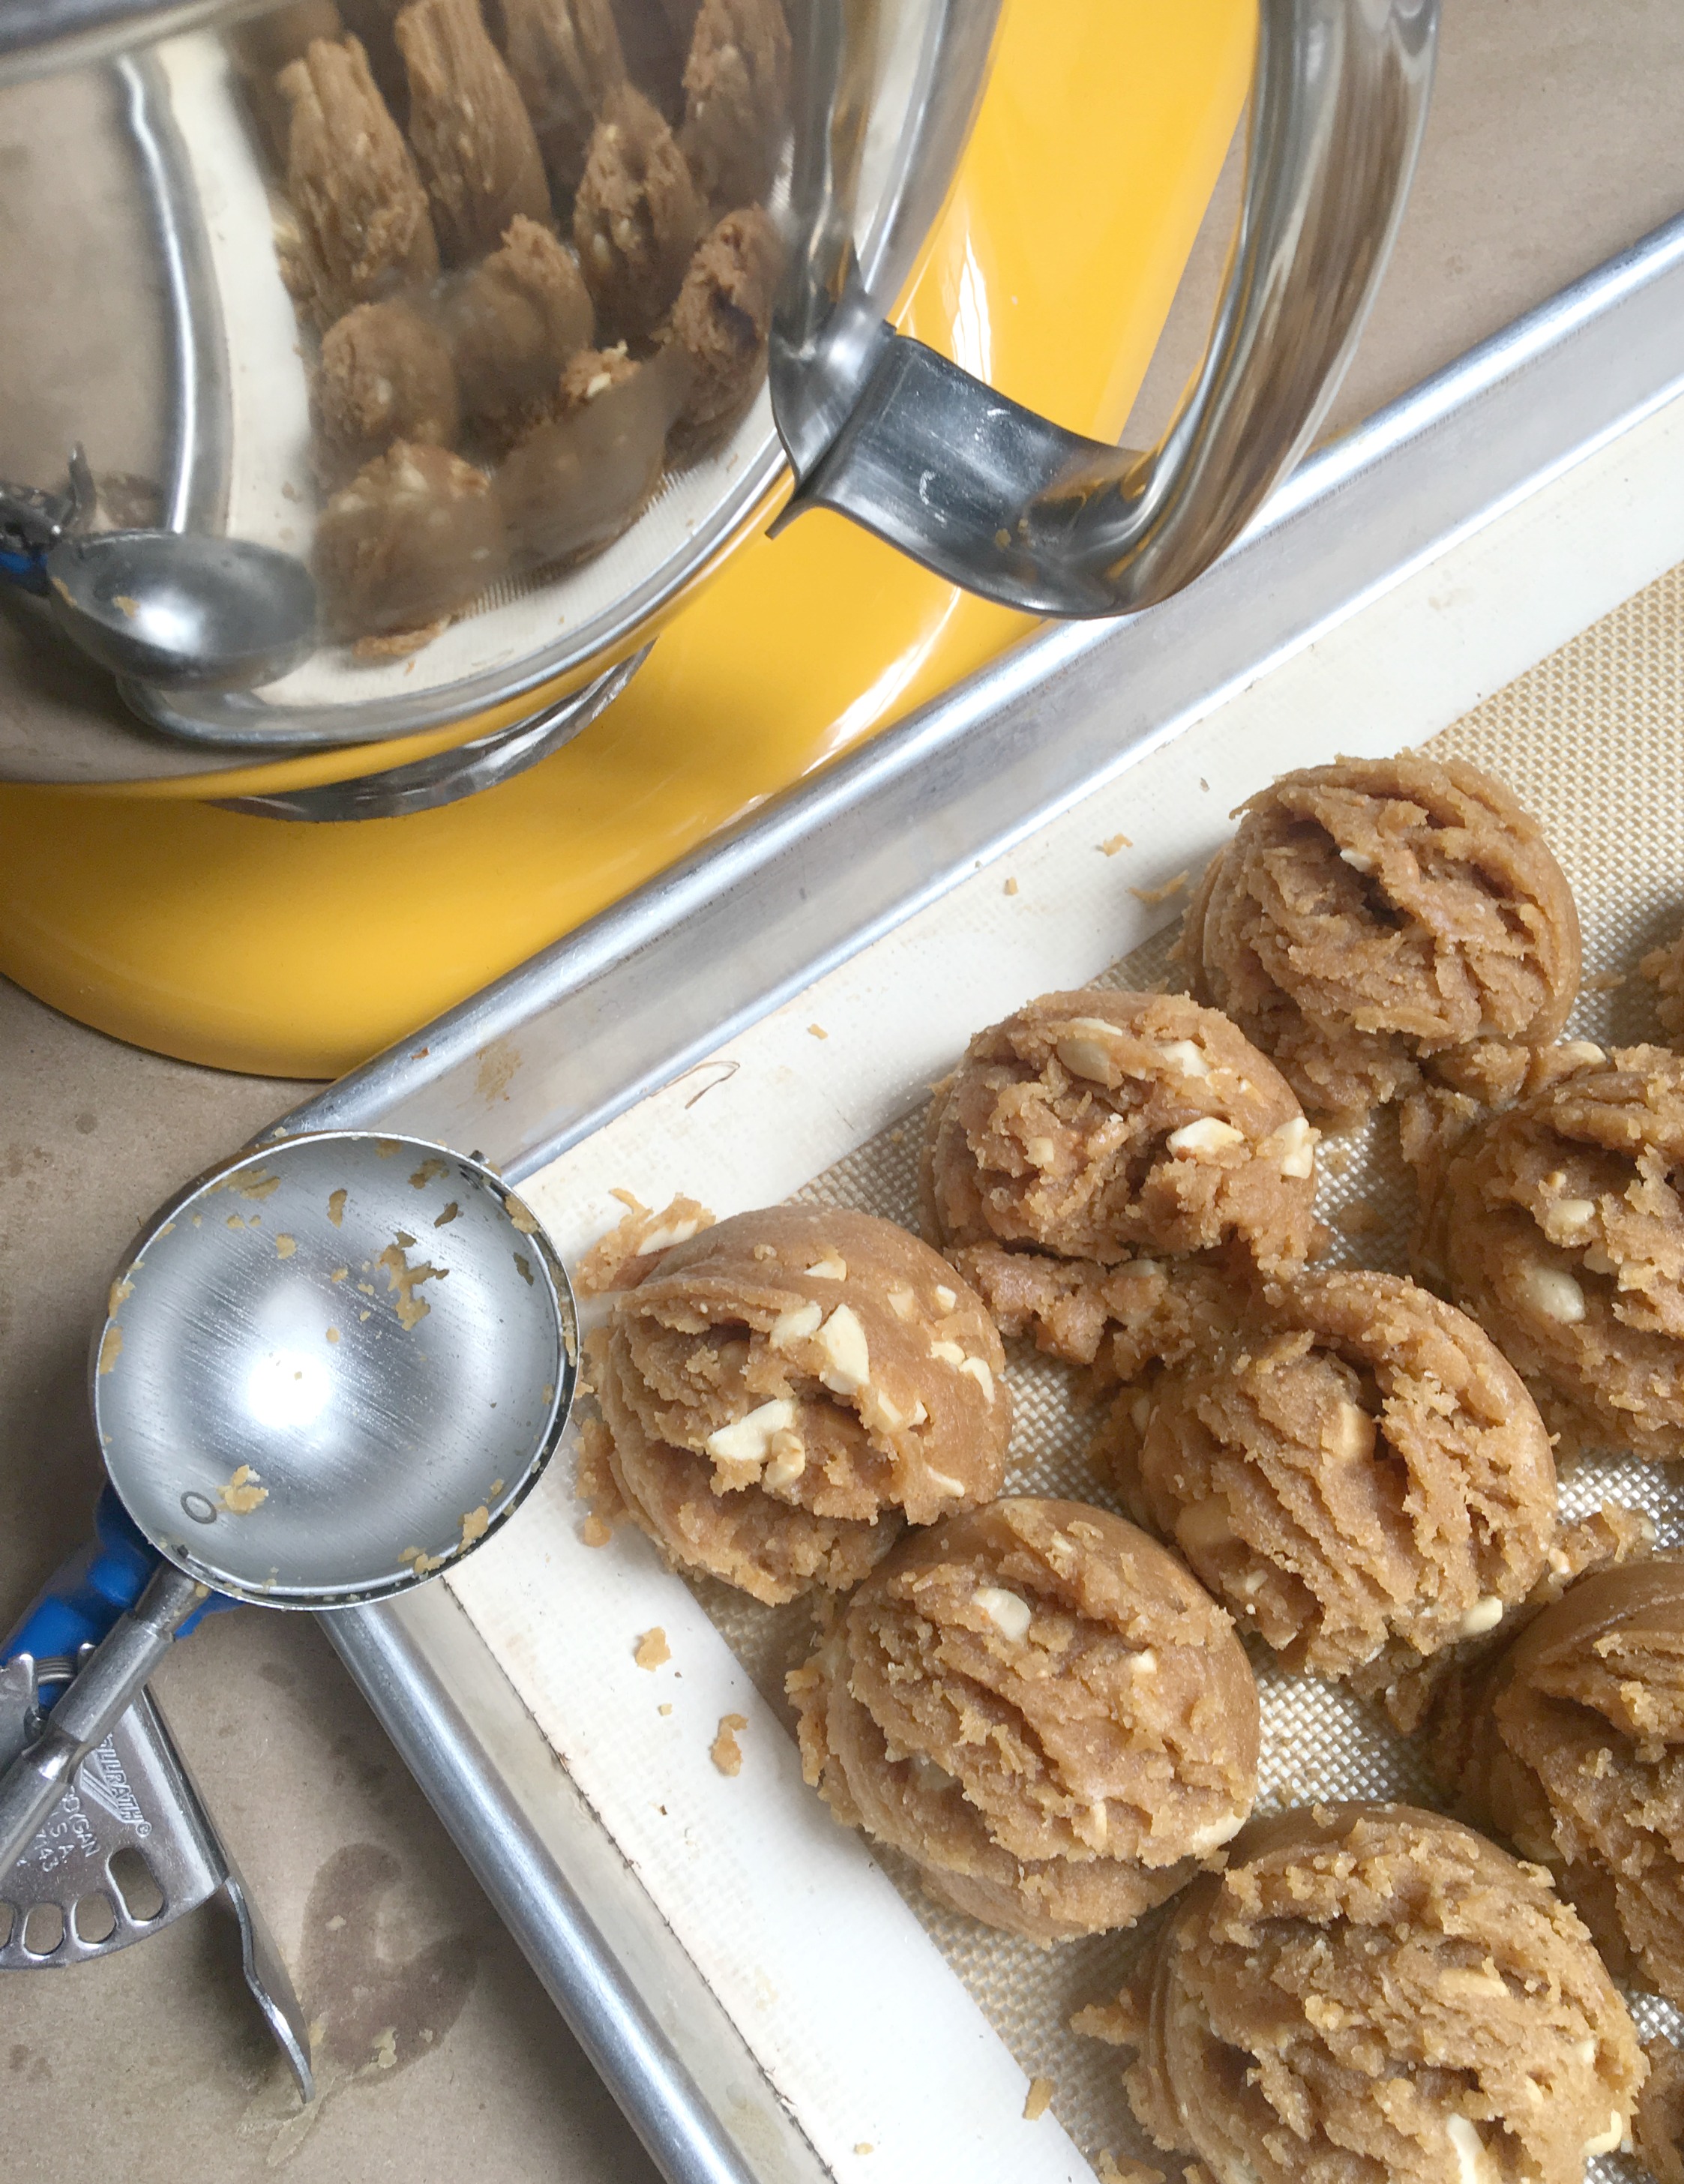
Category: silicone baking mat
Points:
column 1590, row 741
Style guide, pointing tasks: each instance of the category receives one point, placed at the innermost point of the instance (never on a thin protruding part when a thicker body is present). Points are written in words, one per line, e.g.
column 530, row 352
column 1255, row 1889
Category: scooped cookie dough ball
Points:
column 1375, row 913
column 1557, row 1223
column 573, row 484
column 565, row 58
column 472, row 139
column 736, row 98
column 415, row 535
column 1039, row 1707
column 637, row 216
column 1356, row 1471
column 1373, row 1993
column 514, row 324
column 721, row 321
column 385, row 375
column 1574, row 1751
column 1099, row 1125
column 784, row 1389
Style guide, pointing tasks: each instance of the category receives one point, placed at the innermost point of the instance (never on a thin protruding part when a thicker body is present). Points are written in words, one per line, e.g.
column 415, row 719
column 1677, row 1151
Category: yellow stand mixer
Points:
column 228, row 937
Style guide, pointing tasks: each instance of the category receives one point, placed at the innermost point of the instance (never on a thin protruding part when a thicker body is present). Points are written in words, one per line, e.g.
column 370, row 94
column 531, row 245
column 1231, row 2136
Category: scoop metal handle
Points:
column 995, row 498
column 102, row 1693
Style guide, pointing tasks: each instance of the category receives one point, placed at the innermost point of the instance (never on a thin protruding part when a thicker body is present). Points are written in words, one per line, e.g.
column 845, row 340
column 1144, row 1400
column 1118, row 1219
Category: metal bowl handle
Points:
column 994, row 496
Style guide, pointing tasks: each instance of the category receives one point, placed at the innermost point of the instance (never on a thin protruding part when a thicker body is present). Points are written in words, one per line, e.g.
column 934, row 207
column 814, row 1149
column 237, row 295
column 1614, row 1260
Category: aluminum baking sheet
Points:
column 863, row 2023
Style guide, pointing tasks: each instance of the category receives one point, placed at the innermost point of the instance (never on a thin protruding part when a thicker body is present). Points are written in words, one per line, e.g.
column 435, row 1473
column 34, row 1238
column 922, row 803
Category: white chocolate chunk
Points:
column 795, row 1325
column 889, row 1410
column 1208, row 1136
column 1473, row 2163
column 788, row 1461
column 1351, row 1434
column 1586, row 2052
column 946, row 1299
column 1008, row 1613
column 832, row 1268
column 1145, row 1662
column 1214, row 1834
column 978, row 1368
column 1461, row 1983
column 1582, row 1052
column 1606, row 2142
column 950, row 1353
column 663, row 1239
column 1359, row 860
column 920, row 1416
column 1086, row 1058
column 1186, row 1057
column 843, row 1341
column 903, row 1304
column 1484, row 1615
column 1553, row 1292
column 944, row 1484
column 1041, row 1151
column 749, row 1439
column 1567, row 1220
column 1293, row 1146
column 1140, row 1411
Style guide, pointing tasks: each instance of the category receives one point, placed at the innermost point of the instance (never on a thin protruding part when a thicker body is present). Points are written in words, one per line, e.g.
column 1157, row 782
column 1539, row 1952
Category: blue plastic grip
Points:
column 85, row 1596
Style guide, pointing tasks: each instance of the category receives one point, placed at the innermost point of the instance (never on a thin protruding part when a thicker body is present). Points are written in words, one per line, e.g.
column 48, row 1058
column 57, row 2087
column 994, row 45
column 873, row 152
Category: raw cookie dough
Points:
column 1117, row 1320
column 1657, row 2128
column 1574, row 1749
column 565, row 57
column 637, row 216
column 385, row 375
column 575, row 483
column 514, row 323
column 721, row 321
column 1039, row 1707
column 788, row 1385
column 472, row 140
column 1099, row 1125
column 1665, row 968
column 415, row 535
column 1356, row 1472
column 1377, row 912
column 360, row 226
column 1557, row 1223
column 736, row 98
column 656, row 37
column 1375, row 1995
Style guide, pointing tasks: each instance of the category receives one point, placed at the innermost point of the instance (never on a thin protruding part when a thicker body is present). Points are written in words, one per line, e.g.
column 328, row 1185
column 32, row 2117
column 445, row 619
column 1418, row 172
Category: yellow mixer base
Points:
column 297, row 950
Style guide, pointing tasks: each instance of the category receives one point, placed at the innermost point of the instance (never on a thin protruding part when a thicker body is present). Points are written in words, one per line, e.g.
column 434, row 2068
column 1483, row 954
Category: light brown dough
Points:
column 1665, row 968
column 655, row 37
column 1354, row 1470
column 415, row 535
column 721, row 321
column 736, row 98
column 1574, row 1749
column 1556, row 1223
column 565, row 57
column 1657, row 2129
column 637, row 216
column 1107, row 1126
column 1375, row 913
column 472, row 140
column 1039, row 1707
column 788, row 1385
column 1118, row 1321
column 385, row 375
column 1375, row 1995
column 514, row 323
column 575, row 483
column 360, row 228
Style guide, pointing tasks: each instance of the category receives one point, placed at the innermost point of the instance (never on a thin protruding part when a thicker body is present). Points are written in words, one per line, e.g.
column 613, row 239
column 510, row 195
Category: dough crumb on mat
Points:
column 1039, row 1707
column 1112, row 844
column 725, row 1752
column 1571, row 1746
column 1038, row 2100
column 1353, row 1467
column 621, row 1259
column 1372, row 915
column 784, row 1388
column 1380, row 1992
column 653, row 1650
column 1115, row 2168
column 1152, row 896
column 1556, row 1223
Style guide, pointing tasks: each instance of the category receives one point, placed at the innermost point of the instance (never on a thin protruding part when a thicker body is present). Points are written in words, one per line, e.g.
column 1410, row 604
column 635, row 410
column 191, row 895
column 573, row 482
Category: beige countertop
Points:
column 1553, row 142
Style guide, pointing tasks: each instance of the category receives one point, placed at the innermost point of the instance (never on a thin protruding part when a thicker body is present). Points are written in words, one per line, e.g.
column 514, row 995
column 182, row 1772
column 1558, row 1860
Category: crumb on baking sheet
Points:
column 816, row 1031
column 475, row 1524
column 652, row 1649
column 595, row 1533
column 1359, row 1218
column 666, row 1707
column 620, row 1260
column 1110, row 2170
column 1038, row 2100
column 336, row 1205
column 1154, row 895
column 725, row 1752
column 110, row 1348
column 242, row 1494
column 1011, row 887
column 1120, row 2023
column 864, row 2146
column 1113, row 842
